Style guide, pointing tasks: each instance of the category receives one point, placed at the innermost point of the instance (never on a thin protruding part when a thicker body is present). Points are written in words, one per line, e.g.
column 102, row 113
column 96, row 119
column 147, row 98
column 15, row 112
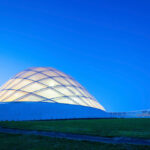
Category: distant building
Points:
column 132, row 114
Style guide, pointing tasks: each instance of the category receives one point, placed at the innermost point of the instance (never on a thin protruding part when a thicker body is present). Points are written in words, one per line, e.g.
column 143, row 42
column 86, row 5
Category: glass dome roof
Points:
column 46, row 84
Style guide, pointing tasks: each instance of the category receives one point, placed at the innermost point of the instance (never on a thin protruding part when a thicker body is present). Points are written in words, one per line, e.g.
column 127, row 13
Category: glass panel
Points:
column 83, row 92
column 17, row 75
column 8, row 93
column 1, row 94
column 87, row 93
column 37, row 76
column 85, row 100
column 73, row 83
column 61, row 74
column 50, row 73
column 15, row 81
column 27, row 73
column 31, row 98
column 62, row 81
column 99, row 106
column 79, row 101
column 88, row 101
column 39, row 68
column 15, row 96
column 64, row 91
column 22, row 84
column 6, row 84
column 50, row 68
column 64, row 100
column 78, row 84
column 49, row 82
column 33, row 87
column 91, row 102
column 48, row 93
column 95, row 104
column 74, row 90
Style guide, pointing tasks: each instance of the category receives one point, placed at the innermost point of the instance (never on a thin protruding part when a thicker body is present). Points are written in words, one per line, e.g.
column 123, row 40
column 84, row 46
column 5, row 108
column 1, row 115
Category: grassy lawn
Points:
column 139, row 128
column 31, row 142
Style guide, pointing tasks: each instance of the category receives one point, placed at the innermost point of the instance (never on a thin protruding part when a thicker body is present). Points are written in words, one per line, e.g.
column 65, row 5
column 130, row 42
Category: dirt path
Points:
column 114, row 140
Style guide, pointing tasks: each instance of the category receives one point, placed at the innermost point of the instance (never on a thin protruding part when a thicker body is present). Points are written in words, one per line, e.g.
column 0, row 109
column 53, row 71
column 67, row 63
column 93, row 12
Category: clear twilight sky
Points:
column 104, row 45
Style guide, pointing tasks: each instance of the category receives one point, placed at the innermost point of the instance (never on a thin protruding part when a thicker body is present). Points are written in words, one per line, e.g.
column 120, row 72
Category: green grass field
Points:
column 139, row 128
column 31, row 142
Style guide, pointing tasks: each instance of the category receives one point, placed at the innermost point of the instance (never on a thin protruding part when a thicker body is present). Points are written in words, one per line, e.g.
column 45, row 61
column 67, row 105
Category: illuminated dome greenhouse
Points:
column 42, row 93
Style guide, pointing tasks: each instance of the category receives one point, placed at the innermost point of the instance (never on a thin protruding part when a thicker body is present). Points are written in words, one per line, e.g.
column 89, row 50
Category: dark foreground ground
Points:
column 78, row 137
column 137, row 128
column 32, row 142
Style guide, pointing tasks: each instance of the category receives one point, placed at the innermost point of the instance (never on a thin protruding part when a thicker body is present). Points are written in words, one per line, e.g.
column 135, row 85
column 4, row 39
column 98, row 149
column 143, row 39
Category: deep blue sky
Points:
column 105, row 45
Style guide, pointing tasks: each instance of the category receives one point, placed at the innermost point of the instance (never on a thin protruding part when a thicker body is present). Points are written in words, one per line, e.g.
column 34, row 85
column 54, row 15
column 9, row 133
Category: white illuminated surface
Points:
column 48, row 85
